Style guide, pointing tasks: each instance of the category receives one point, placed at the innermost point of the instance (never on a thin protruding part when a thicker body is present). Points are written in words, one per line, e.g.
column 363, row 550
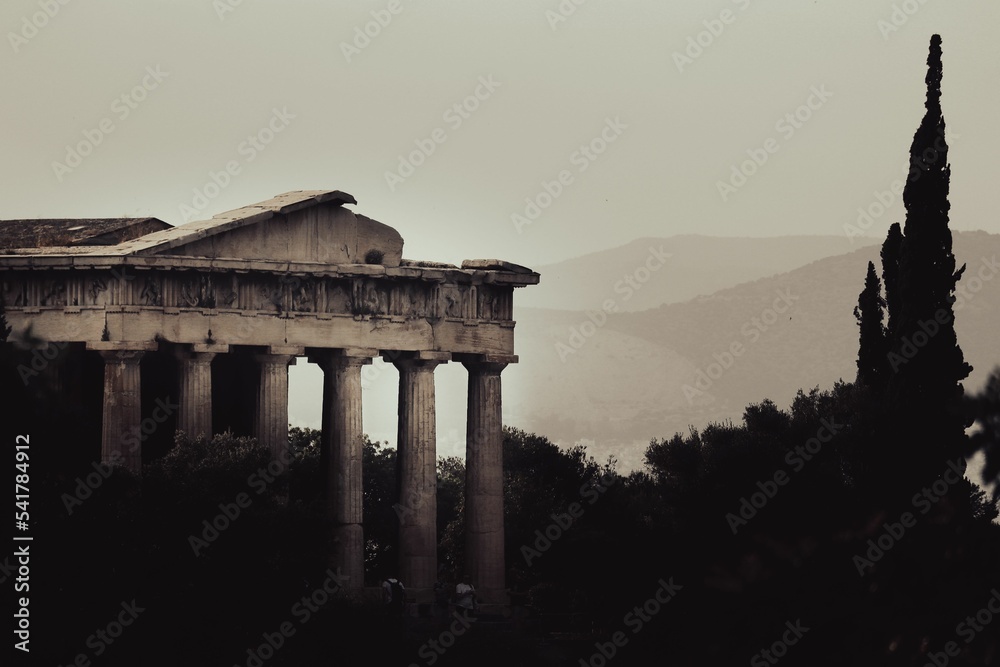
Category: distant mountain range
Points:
column 697, row 265
column 619, row 382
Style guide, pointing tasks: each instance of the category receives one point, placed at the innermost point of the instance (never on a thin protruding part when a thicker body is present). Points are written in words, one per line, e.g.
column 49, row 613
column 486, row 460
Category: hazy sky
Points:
column 343, row 108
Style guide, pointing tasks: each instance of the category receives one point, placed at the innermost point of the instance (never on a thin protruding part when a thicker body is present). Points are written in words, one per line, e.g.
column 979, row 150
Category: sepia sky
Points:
column 158, row 96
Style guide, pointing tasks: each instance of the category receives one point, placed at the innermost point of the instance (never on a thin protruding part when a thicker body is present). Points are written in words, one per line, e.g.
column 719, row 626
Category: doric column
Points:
column 271, row 417
column 343, row 435
column 121, row 435
column 195, row 383
column 417, row 469
column 484, row 543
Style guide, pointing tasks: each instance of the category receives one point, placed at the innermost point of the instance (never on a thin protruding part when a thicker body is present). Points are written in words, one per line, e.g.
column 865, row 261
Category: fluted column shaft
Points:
column 417, row 469
column 271, row 417
column 121, row 441
column 195, row 416
column 343, row 438
column 484, row 525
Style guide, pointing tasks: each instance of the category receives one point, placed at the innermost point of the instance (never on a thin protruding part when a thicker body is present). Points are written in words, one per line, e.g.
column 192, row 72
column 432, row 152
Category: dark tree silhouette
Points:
column 890, row 275
column 926, row 361
column 873, row 348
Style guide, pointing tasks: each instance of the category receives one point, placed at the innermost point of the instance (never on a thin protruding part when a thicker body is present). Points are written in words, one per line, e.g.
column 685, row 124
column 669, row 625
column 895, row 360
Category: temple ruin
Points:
column 219, row 309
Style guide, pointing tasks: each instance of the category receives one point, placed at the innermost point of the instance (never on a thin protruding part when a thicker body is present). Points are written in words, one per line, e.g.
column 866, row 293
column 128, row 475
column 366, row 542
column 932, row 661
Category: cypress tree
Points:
column 926, row 362
column 890, row 276
column 873, row 346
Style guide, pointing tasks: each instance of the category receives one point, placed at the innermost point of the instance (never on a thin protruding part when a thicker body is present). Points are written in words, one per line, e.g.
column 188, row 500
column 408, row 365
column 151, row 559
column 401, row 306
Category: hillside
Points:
column 626, row 382
column 697, row 265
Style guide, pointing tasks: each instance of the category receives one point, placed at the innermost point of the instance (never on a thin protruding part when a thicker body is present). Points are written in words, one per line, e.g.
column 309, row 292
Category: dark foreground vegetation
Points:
column 756, row 525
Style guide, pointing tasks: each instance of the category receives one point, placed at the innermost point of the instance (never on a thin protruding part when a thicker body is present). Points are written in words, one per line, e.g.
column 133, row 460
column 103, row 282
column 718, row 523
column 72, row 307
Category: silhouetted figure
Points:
column 465, row 596
column 394, row 597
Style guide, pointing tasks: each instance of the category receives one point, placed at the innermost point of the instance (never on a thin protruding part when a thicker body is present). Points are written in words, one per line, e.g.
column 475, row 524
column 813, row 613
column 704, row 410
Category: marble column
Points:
column 342, row 447
column 417, row 468
column 121, row 434
column 484, row 525
column 271, row 416
column 195, row 415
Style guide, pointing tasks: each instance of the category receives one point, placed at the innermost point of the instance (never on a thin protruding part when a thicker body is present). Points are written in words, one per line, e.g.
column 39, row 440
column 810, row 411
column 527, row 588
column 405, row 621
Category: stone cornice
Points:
column 466, row 275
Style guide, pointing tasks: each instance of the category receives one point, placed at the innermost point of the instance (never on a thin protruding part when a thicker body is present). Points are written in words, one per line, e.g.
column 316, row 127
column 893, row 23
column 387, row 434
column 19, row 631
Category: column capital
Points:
column 419, row 360
column 469, row 360
column 487, row 367
column 122, row 356
column 491, row 364
column 341, row 357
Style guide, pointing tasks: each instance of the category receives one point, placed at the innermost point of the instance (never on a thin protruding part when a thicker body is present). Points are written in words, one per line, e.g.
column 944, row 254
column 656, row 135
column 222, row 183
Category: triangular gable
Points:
column 301, row 226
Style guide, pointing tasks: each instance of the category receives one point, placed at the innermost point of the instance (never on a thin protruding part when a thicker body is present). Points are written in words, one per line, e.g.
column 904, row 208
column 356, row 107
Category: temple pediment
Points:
column 303, row 226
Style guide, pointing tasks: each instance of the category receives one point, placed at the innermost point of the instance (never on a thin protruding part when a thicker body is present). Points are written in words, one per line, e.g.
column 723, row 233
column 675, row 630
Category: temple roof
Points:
column 72, row 233
column 229, row 221
column 306, row 230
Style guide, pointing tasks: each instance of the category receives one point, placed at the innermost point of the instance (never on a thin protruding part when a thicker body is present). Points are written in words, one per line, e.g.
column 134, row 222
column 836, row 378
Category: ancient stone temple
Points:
column 217, row 310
